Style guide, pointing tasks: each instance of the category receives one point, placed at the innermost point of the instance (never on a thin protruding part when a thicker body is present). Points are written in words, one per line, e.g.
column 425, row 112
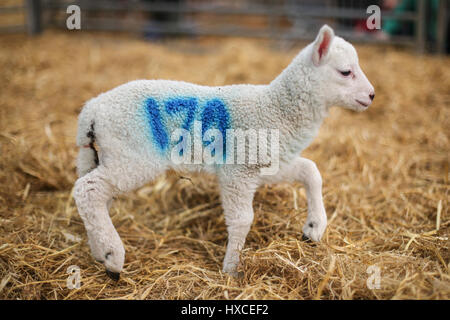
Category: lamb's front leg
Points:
column 237, row 198
column 305, row 171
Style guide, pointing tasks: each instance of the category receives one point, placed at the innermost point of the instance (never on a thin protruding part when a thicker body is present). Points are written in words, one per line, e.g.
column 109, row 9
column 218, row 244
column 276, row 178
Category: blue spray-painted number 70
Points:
column 213, row 115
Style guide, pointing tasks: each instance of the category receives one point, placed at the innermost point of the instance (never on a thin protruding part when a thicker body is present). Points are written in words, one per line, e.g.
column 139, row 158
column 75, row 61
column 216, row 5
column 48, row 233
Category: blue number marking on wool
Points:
column 215, row 114
column 158, row 129
column 188, row 105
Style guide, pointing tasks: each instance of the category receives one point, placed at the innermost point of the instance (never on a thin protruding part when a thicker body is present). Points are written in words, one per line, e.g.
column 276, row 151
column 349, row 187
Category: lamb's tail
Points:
column 87, row 157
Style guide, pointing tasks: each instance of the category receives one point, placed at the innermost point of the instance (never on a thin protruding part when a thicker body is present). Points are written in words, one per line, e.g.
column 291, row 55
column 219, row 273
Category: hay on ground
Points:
column 385, row 176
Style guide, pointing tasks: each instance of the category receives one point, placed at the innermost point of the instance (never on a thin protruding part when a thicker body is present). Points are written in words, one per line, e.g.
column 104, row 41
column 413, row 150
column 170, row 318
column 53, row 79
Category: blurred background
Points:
column 385, row 171
column 419, row 23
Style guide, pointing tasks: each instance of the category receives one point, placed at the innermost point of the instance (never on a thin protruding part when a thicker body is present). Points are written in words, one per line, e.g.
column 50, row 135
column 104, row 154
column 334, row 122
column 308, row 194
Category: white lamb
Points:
column 132, row 126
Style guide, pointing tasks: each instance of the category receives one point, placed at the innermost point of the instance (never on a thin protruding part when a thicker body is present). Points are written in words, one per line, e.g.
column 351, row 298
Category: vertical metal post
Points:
column 421, row 25
column 273, row 19
column 442, row 22
column 34, row 23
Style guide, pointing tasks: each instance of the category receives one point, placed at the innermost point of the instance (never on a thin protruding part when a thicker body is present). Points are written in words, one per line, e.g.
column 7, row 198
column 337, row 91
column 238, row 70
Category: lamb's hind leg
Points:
column 93, row 194
column 237, row 201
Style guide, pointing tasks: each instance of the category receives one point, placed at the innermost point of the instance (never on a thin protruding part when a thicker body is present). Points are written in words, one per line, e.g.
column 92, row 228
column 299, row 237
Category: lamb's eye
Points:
column 345, row 73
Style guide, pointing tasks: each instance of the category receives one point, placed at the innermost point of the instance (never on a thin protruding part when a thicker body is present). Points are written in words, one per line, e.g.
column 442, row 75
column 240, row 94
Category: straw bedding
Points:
column 385, row 176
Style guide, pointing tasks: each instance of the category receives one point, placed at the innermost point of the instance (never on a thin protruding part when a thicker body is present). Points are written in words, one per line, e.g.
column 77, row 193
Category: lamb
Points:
column 125, row 140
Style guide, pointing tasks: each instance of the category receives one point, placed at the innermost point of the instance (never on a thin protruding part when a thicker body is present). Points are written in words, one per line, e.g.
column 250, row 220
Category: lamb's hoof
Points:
column 306, row 239
column 231, row 270
column 113, row 275
column 236, row 274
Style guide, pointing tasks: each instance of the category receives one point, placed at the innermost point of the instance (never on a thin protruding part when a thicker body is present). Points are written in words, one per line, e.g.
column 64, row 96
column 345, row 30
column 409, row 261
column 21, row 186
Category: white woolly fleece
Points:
column 126, row 125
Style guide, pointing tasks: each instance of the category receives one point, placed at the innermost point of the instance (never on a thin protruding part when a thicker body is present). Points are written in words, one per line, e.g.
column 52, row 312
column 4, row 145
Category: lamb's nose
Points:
column 372, row 96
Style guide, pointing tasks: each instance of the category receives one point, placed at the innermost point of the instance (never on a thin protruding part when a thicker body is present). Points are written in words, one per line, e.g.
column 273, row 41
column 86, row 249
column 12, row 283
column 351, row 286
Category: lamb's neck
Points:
column 296, row 108
column 295, row 93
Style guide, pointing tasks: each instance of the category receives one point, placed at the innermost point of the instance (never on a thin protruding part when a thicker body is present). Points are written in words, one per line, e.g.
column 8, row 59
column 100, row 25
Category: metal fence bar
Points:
column 275, row 13
column 421, row 26
column 12, row 29
column 274, row 21
column 271, row 10
column 34, row 18
column 442, row 23
column 110, row 24
column 179, row 28
column 11, row 9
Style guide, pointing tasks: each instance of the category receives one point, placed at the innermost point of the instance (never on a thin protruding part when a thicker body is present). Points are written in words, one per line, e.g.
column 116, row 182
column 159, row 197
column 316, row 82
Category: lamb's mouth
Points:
column 362, row 103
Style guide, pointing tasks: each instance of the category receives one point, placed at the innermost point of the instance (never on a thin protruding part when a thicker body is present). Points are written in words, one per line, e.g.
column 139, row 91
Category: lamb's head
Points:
column 337, row 70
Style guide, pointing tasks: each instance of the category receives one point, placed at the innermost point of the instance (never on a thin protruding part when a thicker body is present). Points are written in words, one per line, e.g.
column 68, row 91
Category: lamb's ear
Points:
column 322, row 45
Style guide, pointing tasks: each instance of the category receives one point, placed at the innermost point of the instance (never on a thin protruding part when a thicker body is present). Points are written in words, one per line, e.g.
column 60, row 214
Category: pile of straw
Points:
column 385, row 175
